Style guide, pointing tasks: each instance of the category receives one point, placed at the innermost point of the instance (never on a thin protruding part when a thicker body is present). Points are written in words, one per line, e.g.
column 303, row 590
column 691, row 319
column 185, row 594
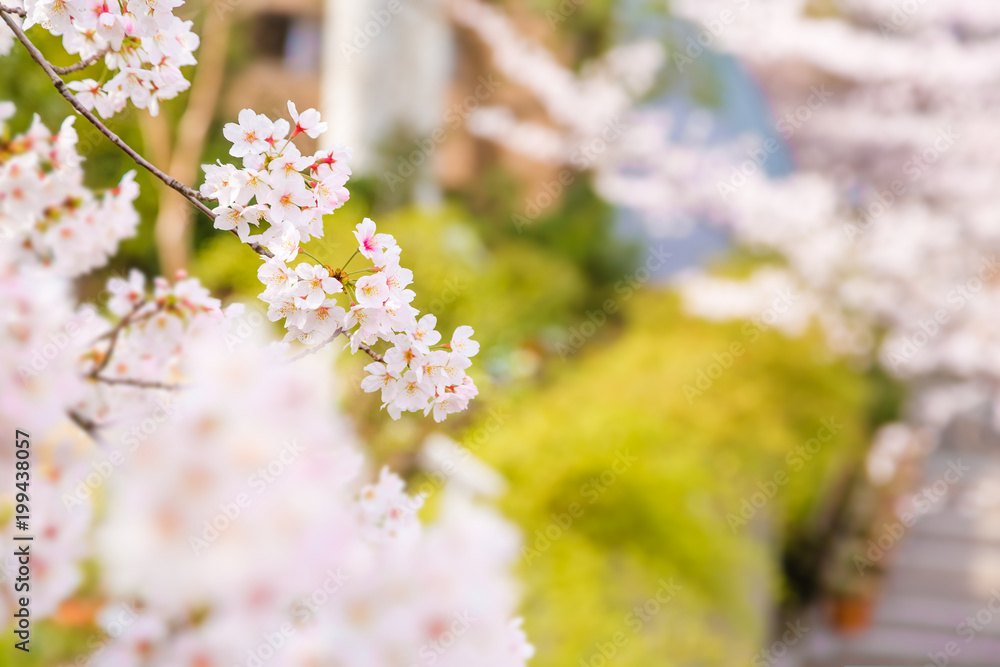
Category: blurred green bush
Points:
column 717, row 494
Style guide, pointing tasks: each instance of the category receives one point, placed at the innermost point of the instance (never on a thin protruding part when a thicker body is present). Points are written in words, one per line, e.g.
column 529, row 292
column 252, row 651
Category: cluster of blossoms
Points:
column 39, row 341
column 278, row 185
column 145, row 347
column 212, row 485
column 418, row 373
column 220, row 464
column 141, row 40
column 45, row 207
column 414, row 377
column 291, row 193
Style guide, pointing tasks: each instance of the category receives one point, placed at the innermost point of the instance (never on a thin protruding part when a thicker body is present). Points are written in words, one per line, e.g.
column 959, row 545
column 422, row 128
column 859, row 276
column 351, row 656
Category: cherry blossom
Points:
column 314, row 284
column 358, row 541
column 46, row 209
column 250, row 135
column 309, row 122
column 142, row 40
column 93, row 96
column 379, row 378
column 370, row 244
column 286, row 194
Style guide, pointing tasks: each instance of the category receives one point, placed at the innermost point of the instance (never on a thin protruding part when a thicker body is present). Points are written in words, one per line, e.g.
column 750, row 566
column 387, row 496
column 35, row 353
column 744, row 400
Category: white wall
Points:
column 386, row 63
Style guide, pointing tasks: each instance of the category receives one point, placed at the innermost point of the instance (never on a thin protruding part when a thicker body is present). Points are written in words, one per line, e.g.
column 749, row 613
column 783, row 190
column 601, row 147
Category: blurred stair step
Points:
column 954, row 585
column 936, row 614
column 912, row 646
column 970, row 468
column 948, row 557
column 959, row 527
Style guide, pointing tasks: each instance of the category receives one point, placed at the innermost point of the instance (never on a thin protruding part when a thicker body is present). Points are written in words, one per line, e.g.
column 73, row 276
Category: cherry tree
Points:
column 885, row 227
column 228, row 506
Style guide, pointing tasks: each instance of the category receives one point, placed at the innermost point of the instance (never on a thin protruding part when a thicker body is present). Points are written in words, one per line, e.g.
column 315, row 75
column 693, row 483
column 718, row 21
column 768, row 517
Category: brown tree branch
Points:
column 14, row 10
column 316, row 348
column 113, row 335
column 88, row 426
column 83, row 64
column 134, row 382
column 367, row 350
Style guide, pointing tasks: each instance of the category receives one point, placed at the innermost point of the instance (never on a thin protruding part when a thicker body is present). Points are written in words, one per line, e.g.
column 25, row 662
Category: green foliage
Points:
column 506, row 293
column 675, row 512
column 50, row 644
column 587, row 23
column 228, row 268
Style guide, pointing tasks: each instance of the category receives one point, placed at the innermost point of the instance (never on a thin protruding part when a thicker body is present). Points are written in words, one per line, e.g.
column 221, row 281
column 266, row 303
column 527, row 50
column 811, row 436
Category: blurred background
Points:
column 731, row 265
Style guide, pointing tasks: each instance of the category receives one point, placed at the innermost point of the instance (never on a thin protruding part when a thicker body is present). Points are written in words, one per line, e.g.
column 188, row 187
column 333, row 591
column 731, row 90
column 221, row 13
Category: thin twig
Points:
column 367, row 350
column 14, row 10
column 316, row 348
column 83, row 64
column 88, row 426
column 113, row 335
column 142, row 384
